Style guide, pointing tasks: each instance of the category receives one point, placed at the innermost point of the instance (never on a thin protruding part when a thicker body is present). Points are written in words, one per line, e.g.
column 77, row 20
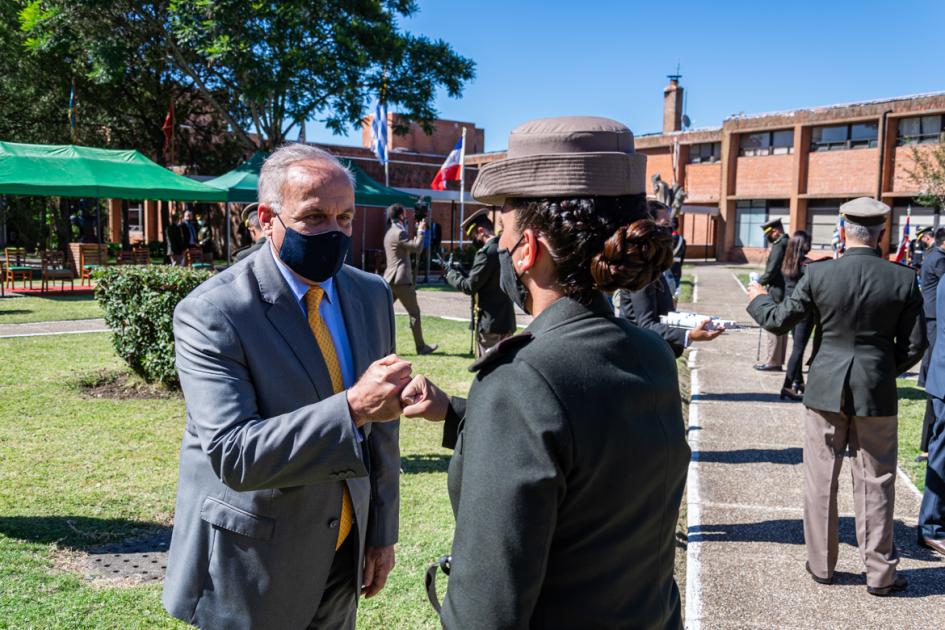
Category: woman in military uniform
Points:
column 570, row 453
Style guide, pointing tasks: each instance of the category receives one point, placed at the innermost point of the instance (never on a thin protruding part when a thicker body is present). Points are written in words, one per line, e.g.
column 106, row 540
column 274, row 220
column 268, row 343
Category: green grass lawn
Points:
column 23, row 310
column 78, row 472
column 686, row 284
column 911, row 412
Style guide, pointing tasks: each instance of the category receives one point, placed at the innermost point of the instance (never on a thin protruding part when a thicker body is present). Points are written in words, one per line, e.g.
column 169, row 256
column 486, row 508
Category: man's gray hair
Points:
column 272, row 176
column 863, row 233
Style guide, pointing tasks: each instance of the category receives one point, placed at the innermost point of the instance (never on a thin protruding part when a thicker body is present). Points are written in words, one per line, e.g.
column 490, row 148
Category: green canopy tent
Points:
column 241, row 184
column 75, row 171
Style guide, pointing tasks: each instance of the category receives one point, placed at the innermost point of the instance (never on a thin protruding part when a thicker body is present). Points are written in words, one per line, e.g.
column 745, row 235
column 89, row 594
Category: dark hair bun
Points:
column 633, row 257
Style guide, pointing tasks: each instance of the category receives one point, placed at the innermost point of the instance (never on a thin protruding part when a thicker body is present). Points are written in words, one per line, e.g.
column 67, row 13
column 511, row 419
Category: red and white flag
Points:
column 904, row 239
column 452, row 169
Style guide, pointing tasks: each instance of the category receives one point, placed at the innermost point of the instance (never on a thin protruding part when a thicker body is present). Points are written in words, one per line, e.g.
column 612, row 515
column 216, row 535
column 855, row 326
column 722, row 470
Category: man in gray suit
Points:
column 399, row 275
column 870, row 329
column 288, row 497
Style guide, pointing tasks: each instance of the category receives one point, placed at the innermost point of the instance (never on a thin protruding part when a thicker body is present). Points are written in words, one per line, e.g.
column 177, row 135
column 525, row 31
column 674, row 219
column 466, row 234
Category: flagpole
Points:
column 462, row 190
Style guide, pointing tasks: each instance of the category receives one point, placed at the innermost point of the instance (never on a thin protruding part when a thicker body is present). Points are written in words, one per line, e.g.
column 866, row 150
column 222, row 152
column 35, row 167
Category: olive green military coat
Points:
column 495, row 315
column 772, row 277
column 870, row 329
column 570, row 458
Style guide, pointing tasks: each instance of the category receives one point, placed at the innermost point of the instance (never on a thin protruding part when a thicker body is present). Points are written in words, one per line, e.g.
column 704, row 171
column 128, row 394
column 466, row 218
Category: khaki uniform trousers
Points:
column 873, row 446
column 407, row 294
column 777, row 348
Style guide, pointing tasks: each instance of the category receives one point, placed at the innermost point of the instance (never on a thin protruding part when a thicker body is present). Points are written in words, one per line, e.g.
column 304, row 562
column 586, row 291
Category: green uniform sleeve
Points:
column 480, row 273
column 775, row 259
column 517, row 453
column 781, row 318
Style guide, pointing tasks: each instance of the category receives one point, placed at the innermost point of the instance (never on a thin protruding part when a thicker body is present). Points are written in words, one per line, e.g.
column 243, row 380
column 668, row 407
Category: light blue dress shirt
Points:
column 330, row 310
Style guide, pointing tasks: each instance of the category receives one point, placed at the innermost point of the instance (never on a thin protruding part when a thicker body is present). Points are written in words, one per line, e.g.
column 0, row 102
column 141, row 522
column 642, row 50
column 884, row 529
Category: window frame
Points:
column 715, row 153
column 770, row 148
column 782, row 209
column 849, row 143
column 922, row 137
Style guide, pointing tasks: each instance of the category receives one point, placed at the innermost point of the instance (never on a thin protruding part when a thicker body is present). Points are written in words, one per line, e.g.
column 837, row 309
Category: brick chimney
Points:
column 672, row 105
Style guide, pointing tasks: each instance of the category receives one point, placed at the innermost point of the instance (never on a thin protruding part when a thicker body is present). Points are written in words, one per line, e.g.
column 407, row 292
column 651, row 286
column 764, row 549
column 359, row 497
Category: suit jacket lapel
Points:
column 287, row 318
column 351, row 308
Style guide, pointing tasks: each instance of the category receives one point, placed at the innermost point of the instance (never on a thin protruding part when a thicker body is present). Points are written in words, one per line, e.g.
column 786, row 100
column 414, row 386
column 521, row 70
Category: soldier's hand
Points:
column 755, row 289
column 700, row 332
column 376, row 396
column 423, row 399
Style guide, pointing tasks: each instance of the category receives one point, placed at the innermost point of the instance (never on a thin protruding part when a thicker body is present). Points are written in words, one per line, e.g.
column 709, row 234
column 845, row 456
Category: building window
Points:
column 919, row 130
column 921, row 216
column 705, row 152
column 750, row 215
column 136, row 218
column 842, row 137
column 766, row 143
column 822, row 221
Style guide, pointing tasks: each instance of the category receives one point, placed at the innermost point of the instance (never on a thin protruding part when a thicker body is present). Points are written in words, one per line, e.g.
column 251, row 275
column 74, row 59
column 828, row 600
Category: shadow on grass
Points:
column 414, row 464
column 790, row 455
column 911, row 393
column 15, row 311
column 87, row 534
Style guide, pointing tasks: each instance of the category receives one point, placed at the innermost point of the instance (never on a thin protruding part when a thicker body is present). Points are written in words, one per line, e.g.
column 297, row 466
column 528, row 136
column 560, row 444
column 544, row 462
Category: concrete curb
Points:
column 693, row 504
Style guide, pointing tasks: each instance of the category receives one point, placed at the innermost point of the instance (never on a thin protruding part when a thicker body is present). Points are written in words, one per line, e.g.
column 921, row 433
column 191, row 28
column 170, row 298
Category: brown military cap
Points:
column 569, row 156
column 865, row 211
column 774, row 224
column 473, row 220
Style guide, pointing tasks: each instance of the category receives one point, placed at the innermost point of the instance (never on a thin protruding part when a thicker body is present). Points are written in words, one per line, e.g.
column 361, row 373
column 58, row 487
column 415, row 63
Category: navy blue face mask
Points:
column 315, row 257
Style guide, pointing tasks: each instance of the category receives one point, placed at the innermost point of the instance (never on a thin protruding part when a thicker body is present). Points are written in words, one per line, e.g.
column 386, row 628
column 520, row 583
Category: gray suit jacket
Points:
column 397, row 249
column 268, row 447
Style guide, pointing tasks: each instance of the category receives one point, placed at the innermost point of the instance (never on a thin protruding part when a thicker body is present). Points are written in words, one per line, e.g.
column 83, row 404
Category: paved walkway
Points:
column 746, row 547
column 448, row 304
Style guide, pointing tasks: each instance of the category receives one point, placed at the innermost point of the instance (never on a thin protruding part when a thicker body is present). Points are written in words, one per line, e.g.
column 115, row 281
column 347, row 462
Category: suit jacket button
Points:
column 333, row 523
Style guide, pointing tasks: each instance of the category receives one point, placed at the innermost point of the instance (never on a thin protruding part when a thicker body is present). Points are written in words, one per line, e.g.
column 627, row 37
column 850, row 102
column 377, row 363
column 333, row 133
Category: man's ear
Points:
column 266, row 217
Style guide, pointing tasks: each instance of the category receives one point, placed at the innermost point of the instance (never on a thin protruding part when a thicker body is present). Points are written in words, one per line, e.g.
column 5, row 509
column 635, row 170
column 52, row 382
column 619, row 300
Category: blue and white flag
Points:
column 379, row 132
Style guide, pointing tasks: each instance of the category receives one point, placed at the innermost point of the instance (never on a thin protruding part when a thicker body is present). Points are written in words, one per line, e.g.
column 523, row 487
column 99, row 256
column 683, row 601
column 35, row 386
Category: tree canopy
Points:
column 262, row 68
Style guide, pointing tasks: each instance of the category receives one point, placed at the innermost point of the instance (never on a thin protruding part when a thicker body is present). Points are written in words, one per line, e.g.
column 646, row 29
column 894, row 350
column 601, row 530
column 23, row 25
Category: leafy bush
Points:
column 139, row 303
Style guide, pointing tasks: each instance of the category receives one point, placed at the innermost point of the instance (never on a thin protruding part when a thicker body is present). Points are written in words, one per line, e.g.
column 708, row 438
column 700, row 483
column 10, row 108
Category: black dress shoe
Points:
column 427, row 350
column 935, row 544
column 921, row 457
column 764, row 367
column 817, row 578
column 900, row 584
column 789, row 393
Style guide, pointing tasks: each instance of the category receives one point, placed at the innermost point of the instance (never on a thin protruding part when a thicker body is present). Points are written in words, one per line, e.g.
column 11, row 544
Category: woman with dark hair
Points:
column 795, row 260
column 570, row 454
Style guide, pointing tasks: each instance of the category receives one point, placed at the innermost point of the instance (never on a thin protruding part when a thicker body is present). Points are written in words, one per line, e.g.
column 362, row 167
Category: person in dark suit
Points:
column 930, row 274
column 773, row 280
column 795, row 262
column 176, row 243
column 870, row 329
column 570, row 454
column 494, row 313
column 931, row 525
column 679, row 251
column 644, row 307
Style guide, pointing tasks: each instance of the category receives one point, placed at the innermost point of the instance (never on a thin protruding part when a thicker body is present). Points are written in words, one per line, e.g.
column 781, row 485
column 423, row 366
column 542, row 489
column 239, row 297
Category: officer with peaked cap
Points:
column 773, row 280
column 251, row 220
column 570, row 454
column 870, row 329
column 494, row 314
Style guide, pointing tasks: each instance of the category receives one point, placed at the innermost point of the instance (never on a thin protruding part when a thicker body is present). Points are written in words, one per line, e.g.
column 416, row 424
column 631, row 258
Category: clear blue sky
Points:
column 611, row 59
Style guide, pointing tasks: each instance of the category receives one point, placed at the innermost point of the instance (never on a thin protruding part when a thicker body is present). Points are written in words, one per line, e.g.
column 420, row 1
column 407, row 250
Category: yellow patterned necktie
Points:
column 313, row 298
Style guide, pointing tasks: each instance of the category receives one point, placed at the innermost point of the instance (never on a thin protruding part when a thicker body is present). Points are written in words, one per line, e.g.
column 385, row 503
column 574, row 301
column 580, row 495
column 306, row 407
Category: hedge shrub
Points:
column 139, row 302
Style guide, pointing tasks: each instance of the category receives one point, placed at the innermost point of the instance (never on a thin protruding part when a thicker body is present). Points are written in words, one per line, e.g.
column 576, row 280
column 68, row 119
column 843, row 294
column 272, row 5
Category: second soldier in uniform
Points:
column 493, row 311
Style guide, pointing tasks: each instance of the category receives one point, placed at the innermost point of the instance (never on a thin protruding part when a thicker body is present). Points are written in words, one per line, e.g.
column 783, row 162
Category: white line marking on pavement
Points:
column 693, row 506
column 49, row 334
column 905, row 478
column 740, row 285
column 695, row 288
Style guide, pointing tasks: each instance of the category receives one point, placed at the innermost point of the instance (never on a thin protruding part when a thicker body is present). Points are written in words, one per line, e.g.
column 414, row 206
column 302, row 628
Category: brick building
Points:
column 797, row 165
